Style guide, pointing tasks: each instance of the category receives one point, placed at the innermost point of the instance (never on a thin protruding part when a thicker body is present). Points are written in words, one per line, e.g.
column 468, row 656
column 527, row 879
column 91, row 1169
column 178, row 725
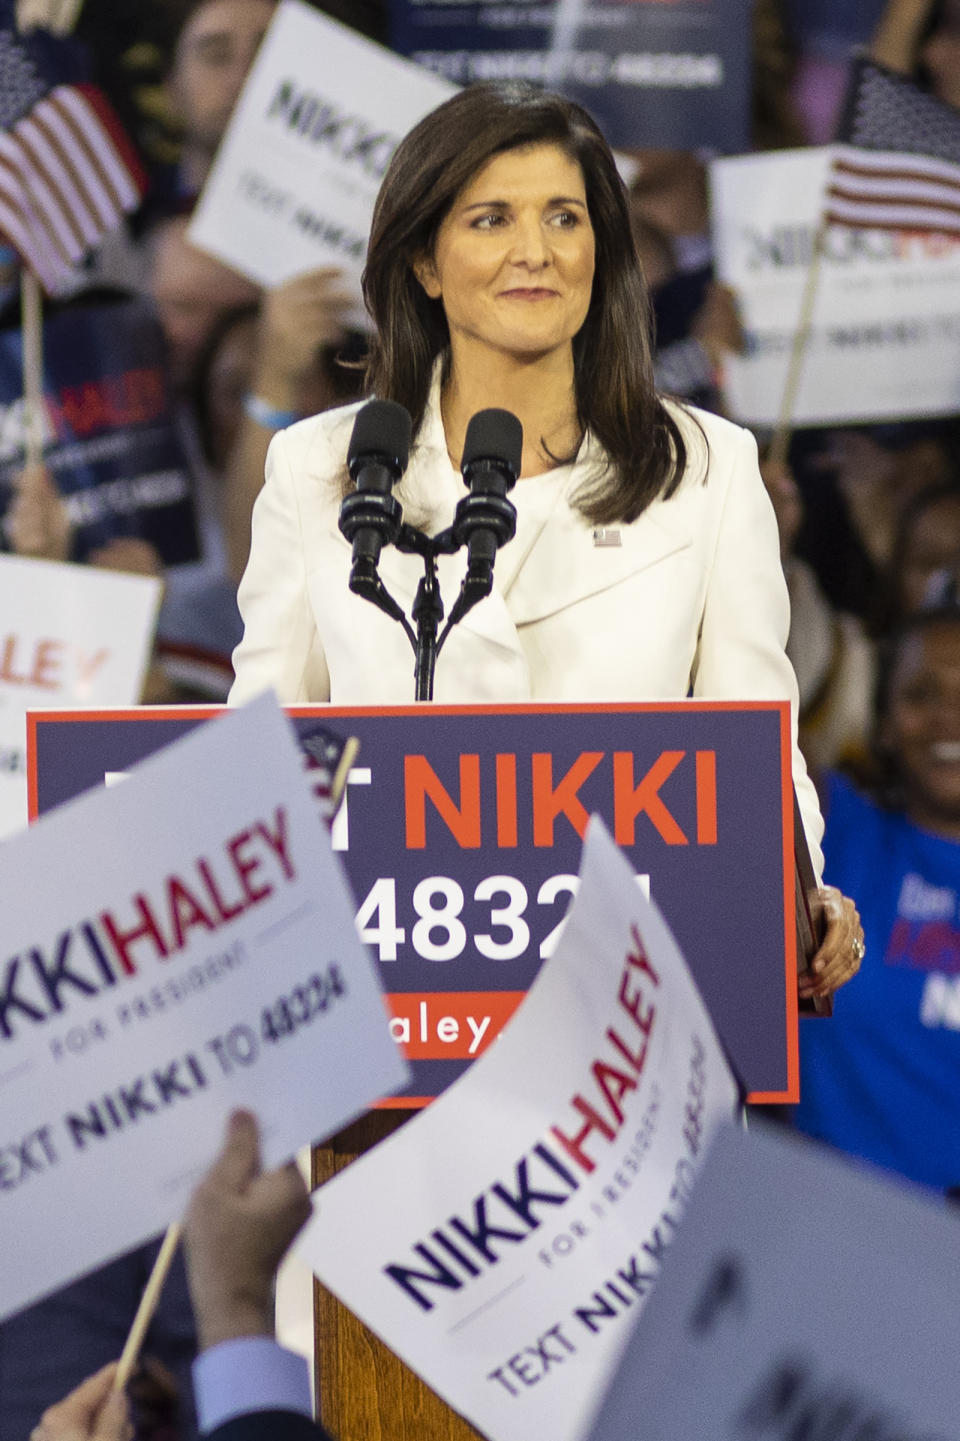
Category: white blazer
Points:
column 688, row 599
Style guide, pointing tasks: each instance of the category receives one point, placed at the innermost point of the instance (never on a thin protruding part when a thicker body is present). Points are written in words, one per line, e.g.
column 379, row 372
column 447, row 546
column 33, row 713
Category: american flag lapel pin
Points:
column 606, row 535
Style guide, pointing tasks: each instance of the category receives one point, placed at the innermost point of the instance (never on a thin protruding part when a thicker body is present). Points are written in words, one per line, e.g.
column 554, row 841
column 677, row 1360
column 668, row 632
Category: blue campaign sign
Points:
column 109, row 437
column 461, row 833
column 664, row 73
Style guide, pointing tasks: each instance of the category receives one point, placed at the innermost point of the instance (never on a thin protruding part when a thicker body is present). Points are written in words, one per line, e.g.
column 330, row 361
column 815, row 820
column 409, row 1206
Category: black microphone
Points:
column 376, row 458
column 492, row 454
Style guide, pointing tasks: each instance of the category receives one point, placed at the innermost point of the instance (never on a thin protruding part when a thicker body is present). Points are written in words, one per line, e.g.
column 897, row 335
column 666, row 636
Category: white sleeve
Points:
column 281, row 647
column 746, row 618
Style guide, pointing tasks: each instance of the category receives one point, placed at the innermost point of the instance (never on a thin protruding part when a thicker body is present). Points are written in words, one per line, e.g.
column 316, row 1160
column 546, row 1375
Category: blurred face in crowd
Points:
column 655, row 251
column 923, row 725
column 879, row 482
column 940, row 55
column 190, row 290
column 514, row 258
column 933, row 545
column 669, row 191
column 919, row 465
column 898, row 474
column 213, row 56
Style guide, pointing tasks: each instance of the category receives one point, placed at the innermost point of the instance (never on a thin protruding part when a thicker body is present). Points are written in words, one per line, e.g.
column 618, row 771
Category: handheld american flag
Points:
column 897, row 163
column 68, row 174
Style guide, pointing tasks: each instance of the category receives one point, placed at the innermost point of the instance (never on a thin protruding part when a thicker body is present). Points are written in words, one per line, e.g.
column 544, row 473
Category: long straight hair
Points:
column 613, row 368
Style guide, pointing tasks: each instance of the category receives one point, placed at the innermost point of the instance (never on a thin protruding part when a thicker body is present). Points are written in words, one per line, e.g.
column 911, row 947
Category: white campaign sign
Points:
column 70, row 635
column 297, row 173
column 885, row 339
column 503, row 1240
column 171, row 948
column 805, row 1298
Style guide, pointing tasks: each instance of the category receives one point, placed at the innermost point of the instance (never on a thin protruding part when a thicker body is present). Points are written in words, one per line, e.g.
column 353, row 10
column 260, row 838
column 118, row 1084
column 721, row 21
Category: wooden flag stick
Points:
column 161, row 1267
column 798, row 352
column 342, row 773
column 31, row 330
column 148, row 1304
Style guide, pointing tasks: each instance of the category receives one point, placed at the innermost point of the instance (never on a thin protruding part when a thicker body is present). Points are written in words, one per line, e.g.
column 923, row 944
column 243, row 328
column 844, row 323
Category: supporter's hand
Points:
column 93, row 1412
column 130, row 554
column 298, row 318
column 239, row 1225
column 717, row 324
column 37, row 523
column 841, row 951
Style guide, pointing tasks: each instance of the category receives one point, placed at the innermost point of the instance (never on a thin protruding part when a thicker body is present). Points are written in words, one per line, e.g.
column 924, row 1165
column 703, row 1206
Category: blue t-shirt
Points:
column 881, row 1079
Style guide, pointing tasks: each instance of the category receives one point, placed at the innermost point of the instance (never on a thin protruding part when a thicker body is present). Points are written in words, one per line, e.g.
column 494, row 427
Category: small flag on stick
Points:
column 896, row 165
column 68, row 174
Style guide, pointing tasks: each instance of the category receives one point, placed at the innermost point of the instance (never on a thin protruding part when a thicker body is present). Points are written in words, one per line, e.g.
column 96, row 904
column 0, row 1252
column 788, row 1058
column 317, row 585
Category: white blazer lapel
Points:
column 569, row 559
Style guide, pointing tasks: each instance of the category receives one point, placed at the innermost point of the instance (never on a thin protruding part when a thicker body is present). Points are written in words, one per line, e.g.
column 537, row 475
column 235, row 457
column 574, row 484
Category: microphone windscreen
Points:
column 494, row 435
column 382, row 431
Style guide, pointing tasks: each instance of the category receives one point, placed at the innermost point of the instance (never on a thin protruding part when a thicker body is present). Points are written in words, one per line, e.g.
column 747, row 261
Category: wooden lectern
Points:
column 364, row 1392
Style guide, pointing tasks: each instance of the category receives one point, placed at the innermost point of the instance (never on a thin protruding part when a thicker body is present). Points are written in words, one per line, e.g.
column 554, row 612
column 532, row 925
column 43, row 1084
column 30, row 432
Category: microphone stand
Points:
column 427, row 610
column 476, row 513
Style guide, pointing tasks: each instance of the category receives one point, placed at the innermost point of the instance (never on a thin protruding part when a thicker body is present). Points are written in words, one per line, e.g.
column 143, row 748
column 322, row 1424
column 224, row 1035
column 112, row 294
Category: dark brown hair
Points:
column 613, row 368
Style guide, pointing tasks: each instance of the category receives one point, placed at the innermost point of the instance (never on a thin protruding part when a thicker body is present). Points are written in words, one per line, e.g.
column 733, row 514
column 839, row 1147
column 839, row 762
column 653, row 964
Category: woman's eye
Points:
column 566, row 218
column 488, row 222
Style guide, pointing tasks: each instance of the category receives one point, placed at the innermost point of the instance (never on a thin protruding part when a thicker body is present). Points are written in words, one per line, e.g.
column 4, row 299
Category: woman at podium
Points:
column 502, row 272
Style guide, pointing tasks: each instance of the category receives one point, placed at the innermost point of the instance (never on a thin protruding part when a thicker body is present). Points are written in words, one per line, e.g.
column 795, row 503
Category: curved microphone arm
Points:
column 366, row 582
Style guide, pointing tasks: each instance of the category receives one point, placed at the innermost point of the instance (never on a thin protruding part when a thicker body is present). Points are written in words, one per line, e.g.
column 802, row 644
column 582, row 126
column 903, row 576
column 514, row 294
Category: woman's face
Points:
column 514, row 257
column 923, row 726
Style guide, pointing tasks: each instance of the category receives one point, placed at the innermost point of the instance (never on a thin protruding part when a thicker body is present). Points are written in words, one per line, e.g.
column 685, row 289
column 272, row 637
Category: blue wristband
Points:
column 261, row 412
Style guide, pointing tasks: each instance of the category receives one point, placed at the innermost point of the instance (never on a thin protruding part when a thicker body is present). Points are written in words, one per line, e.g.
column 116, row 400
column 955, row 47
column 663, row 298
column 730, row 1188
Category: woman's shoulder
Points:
column 319, row 442
column 692, row 420
column 712, row 442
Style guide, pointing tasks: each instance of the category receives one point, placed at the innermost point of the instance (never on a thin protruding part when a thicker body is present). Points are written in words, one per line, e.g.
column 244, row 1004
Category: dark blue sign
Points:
column 461, row 837
column 663, row 73
column 109, row 438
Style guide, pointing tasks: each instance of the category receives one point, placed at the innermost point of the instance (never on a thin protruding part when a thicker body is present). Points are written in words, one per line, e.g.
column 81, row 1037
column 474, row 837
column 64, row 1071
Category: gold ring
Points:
column 859, row 949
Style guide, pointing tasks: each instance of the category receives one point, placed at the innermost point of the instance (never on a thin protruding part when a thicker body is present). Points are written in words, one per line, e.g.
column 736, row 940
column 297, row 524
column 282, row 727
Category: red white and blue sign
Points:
column 461, row 835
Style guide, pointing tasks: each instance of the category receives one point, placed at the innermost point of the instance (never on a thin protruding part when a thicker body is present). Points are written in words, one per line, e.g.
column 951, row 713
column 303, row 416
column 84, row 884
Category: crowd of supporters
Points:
column 869, row 520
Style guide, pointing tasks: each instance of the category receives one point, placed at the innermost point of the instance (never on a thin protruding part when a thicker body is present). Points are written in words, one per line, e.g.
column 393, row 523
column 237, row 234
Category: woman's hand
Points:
column 841, row 950
column 93, row 1412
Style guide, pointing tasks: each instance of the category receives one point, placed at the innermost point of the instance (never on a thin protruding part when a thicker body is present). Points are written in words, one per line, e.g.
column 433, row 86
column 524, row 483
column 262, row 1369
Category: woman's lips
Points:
column 527, row 294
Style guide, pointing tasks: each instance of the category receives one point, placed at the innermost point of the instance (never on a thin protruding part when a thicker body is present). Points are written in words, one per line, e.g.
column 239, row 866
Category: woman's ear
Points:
column 426, row 272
